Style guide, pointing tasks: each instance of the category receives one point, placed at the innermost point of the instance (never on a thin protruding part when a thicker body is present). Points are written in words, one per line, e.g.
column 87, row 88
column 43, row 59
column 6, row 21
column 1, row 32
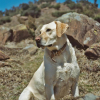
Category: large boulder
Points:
column 15, row 34
column 83, row 31
column 93, row 51
column 20, row 32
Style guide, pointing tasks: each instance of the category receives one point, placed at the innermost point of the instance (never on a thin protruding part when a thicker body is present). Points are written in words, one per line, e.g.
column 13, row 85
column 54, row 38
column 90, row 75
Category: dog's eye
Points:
column 48, row 30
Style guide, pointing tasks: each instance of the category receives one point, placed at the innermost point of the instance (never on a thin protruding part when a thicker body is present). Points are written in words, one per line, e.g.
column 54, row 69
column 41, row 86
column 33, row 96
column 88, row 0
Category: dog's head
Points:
column 49, row 34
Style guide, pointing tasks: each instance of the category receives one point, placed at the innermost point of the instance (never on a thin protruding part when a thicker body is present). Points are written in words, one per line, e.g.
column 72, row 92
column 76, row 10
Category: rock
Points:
column 20, row 32
column 32, row 49
column 3, row 64
column 14, row 34
column 24, row 18
column 3, row 56
column 93, row 51
column 5, row 34
column 83, row 31
column 90, row 96
column 18, row 15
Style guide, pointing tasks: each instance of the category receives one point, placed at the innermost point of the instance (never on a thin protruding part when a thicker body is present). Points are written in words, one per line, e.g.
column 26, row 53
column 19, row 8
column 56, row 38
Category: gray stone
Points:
column 29, row 46
column 90, row 96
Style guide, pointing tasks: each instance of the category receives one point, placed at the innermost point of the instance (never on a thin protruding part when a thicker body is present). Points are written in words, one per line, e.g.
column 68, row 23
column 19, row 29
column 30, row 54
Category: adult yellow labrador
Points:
column 59, row 70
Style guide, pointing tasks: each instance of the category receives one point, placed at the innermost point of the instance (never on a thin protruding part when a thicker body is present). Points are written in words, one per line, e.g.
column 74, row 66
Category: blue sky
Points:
column 9, row 3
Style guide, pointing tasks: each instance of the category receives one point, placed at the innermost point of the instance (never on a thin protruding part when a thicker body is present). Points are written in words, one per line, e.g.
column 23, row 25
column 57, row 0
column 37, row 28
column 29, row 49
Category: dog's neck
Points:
column 56, row 52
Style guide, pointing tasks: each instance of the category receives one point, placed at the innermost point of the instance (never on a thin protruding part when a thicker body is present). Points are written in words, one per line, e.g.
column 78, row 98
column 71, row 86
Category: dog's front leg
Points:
column 49, row 92
column 50, row 77
column 75, row 90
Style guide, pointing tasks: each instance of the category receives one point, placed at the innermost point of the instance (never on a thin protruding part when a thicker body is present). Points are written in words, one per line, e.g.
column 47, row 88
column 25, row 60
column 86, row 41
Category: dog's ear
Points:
column 60, row 28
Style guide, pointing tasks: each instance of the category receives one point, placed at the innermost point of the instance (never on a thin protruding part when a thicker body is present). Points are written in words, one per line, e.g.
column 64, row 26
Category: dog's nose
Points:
column 38, row 39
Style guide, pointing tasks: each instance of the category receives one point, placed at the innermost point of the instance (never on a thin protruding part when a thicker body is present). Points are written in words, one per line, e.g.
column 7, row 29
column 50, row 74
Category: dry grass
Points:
column 89, row 81
column 14, row 78
column 16, row 75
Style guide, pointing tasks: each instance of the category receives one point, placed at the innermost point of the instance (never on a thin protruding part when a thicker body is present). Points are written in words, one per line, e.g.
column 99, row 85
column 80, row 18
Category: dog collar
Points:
column 57, row 52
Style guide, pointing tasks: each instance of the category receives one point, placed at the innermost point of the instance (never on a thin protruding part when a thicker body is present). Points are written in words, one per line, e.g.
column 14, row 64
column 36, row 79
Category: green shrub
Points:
column 1, row 13
column 51, row 6
column 24, row 6
column 33, row 11
column 5, row 19
column 95, row 10
column 45, row 5
column 78, row 6
column 88, row 12
column 57, row 6
column 40, row 1
column 71, row 5
column 25, row 13
column 58, row 13
column 97, row 18
column 1, row 22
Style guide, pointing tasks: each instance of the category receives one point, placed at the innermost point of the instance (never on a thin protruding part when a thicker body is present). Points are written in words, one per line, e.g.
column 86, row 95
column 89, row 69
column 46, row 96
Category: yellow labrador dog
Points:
column 59, row 70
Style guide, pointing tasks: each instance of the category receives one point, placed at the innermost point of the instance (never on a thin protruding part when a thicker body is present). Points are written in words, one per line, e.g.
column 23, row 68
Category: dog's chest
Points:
column 63, row 81
column 63, row 74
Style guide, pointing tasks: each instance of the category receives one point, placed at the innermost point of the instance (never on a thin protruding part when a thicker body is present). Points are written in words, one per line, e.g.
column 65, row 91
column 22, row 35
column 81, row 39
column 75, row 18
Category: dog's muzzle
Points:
column 38, row 42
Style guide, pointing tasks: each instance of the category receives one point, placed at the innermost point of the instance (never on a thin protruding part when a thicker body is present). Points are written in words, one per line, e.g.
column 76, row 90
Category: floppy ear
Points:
column 60, row 28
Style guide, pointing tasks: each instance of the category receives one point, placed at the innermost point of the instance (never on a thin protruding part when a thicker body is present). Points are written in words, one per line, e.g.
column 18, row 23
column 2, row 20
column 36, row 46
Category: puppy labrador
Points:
column 59, row 71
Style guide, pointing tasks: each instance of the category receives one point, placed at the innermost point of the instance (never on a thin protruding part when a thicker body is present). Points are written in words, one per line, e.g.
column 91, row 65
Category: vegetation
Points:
column 57, row 6
column 72, row 5
column 40, row 1
column 23, row 9
column 1, row 13
column 45, row 5
column 58, row 13
column 97, row 18
column 32, row 9
column 4, row 20
column 24, row 6
column 95, row 3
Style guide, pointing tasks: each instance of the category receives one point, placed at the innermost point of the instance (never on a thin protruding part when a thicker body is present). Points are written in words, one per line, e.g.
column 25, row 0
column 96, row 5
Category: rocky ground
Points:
column 25, row 58
column 20, row 58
